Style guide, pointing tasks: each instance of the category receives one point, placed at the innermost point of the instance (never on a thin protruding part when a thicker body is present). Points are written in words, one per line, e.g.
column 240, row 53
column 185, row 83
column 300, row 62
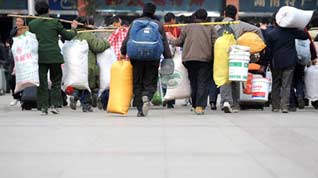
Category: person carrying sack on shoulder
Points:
column 95, row 46
column 47, row 32
column 145, row 43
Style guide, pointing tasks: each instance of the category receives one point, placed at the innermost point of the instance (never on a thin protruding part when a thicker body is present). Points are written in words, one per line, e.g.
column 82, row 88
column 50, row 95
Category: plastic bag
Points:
column 105, row 61
column 311, row 78
column 303, row 51
column 291, row 17
column 121, row 87
column 253, row 41
column 221, row 58
column 178, row 83
column 75, row 71
column 25, row 53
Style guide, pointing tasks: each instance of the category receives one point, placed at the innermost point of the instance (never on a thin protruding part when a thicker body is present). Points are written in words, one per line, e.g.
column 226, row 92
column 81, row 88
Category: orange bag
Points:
column 254, row 67
column 121, row 87
column 248, row 85
column 253, row 41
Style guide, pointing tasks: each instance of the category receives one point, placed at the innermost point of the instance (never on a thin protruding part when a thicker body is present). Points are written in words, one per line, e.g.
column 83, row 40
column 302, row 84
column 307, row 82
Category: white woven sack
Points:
column 311, row 82
column 75, row 71
column 291, row 17
column 178, row 86
column 25, row 53
column 105, row 61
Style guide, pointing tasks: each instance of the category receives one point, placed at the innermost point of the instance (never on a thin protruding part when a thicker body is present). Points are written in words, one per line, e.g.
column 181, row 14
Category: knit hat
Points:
column 149, row 8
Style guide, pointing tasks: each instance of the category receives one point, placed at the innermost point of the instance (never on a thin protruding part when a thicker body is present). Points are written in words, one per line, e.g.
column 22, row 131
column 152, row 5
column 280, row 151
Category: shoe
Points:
column 170, row 106
column 292, row 109
column 99, row 103
column 199, row 110
column 87, row 109
column 285, row 111
column 44, row 112
column 227, row 108
column 73, row 103
column 213, row 106
column 54, row 110
column 140, row 114
column 145, row 106
column 301, row 103
column 14, row 102
column 275, row 110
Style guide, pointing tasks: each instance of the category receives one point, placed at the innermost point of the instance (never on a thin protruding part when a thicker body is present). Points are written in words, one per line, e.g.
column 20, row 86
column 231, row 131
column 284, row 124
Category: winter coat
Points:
column 95, row 46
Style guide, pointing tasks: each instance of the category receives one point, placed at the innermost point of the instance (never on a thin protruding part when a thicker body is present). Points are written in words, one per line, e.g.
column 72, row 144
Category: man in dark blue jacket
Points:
column 282, row 56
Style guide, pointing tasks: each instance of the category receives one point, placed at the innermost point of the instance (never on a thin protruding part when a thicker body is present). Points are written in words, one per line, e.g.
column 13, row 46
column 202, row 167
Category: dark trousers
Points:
column 213, row 90
column 200, row 76
column 298, row 86
column 43, row 92
column 145, row 75
column 84, row 96
column 282, row 80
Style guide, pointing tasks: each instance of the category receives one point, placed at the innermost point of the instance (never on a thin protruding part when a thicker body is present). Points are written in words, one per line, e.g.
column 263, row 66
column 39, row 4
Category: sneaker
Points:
column 199, row 110
column 213, row 106
column 14, row 102
column 73, row 103
column 301, row 103
column 99, row 103
column 227, row 107
column 275, row 110
column 145, row 106
column 44, row 112
column 140, row 114
column 285, row 111
column 54, row 110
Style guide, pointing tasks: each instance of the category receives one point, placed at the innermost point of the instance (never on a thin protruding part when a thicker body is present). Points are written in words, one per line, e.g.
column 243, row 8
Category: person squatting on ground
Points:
column 50, row 58
column 145, row 72
column 230, row 93
column 282, row 56
column 197, row 56
column 95, row 46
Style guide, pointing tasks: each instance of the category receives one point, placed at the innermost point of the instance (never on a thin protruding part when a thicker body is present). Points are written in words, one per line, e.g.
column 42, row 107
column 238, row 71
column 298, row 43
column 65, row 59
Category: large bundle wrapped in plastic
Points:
column 25, row 53
column 253, row 41
column 178, row 83
column 311, row 78
column 121, row 87
column 75, row 71
column 221, row 58
column 291, row 17
column 105, row 61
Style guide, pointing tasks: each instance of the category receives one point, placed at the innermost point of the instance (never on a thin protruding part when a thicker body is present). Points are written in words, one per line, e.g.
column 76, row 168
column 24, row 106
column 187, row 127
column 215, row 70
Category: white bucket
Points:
column 238, row 69
column 260, row 89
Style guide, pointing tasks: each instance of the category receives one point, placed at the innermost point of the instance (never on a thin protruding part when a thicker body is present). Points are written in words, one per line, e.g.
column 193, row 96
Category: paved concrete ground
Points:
column 168, row 144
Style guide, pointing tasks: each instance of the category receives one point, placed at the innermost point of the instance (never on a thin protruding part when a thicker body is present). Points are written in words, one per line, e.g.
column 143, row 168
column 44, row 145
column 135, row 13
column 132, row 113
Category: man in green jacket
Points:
column 95, row 46
column 50, row 59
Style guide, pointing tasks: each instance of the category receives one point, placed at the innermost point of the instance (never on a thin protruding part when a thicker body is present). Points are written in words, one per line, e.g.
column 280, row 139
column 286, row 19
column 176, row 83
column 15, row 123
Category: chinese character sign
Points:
column 162, row 5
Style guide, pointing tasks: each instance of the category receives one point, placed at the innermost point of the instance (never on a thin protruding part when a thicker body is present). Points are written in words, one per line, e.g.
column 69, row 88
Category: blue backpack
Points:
column 145, row 42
